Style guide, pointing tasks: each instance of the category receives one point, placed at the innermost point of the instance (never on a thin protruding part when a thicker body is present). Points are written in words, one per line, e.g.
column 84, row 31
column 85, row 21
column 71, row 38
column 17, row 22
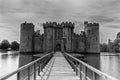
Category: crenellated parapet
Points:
column 92, row 37
column 91, row 25
column 55, row 24
column 26, row 37
column 49, row 24
column 68, row 24
column 27, row 25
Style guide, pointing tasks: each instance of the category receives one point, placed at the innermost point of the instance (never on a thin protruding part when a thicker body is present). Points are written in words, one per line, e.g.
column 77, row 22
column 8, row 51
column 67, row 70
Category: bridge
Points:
column 57, row 66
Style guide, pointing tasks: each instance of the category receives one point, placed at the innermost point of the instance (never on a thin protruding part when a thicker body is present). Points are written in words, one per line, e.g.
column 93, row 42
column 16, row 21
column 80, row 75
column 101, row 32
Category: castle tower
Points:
column 48, row 36
column 68, row 35
column 92, row 37
column 26, row 37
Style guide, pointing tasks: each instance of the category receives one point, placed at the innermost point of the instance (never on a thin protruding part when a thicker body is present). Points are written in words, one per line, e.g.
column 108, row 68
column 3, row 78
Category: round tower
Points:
column 92, row 37
column 68, row 35
column 48, row 36
column 26, row 37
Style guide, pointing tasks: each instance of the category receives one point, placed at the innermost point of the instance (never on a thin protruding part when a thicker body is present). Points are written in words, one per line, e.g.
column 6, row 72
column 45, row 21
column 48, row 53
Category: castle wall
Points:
column 26, row 34
column 81, row 44
column 78, row 44
column 48, row 37
column 38, row 44
column 74, row 43
column 68, row 35
column 44, row 40
column 92, row 37
column 60, row 35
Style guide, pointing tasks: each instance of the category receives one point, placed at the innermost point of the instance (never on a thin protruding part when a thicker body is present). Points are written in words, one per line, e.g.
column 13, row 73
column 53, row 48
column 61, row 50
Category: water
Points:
column 9, row 62
column 107, row 62
column 110, row 64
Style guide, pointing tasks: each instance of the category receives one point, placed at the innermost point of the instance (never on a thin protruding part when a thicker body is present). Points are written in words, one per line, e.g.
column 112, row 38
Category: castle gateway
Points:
column 60, row 37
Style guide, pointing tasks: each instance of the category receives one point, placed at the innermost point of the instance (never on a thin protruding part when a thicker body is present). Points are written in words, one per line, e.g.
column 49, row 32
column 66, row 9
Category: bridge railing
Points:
column 30, row 70
column 85, row 71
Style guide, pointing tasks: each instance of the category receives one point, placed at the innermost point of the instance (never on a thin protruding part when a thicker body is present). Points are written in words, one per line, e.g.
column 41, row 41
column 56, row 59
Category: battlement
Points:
column 55, row 24
column 87, row 24
column 28, row 24
column 82, row 34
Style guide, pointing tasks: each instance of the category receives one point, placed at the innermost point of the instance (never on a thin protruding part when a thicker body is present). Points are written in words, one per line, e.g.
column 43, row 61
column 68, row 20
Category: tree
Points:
column 14, row 45
column 103, row 47
column 117, row 45
column 5, row 44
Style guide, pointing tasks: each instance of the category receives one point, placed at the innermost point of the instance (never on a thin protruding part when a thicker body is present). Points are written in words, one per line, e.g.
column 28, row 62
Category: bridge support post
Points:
column 85, row 72
column 76, row 68
column 18, row 76
column 34, row 71
column 28, row 73
column 80, row 71
column 93, row 76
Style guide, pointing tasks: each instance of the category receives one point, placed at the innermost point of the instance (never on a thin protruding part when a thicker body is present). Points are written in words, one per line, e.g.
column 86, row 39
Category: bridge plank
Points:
column 61, row 69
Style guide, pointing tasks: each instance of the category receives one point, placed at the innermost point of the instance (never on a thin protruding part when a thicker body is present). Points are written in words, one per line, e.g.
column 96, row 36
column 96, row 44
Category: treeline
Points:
column 5, row 45
column 104, row 47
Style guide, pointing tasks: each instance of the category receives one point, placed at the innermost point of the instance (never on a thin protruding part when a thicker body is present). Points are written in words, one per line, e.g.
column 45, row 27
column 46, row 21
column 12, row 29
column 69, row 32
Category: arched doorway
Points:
column 58, row 47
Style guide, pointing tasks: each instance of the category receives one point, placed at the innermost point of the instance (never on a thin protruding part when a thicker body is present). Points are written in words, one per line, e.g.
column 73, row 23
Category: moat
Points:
column 107, row 62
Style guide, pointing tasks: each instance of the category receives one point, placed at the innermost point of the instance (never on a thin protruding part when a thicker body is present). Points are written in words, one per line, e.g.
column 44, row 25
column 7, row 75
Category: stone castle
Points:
column 60, row 37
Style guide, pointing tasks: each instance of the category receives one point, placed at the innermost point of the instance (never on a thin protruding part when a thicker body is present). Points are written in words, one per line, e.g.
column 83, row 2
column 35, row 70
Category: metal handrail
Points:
column 24, row 67
column 76, row 63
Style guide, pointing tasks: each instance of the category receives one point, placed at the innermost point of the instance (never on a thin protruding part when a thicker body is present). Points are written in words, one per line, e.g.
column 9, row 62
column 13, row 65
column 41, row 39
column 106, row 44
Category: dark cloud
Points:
column 14, row 12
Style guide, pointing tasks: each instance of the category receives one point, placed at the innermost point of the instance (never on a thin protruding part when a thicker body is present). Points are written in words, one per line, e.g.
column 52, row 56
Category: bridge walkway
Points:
column 61, row 69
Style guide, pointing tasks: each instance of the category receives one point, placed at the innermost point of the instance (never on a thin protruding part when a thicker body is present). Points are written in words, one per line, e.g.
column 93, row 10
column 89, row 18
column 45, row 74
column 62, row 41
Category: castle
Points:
column 60, row 37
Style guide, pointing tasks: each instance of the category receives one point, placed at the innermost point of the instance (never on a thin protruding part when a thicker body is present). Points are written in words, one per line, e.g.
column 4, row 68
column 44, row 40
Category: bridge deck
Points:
column 61, row 69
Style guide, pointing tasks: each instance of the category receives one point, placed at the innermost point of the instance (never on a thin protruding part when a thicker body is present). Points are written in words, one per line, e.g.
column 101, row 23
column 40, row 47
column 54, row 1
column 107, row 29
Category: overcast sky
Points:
column 15, row 12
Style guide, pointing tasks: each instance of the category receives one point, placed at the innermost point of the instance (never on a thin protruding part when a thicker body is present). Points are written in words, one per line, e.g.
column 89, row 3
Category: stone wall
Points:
column 60, row 34
column 67, row 34
column 78, row 44
column 38, row 42
column 92, row 37
column 81, row 43
column 48, row 37
column 26, row 34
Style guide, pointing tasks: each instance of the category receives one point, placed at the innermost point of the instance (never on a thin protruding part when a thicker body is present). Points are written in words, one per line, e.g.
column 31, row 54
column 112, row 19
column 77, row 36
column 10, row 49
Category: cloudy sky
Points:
column 15, row 12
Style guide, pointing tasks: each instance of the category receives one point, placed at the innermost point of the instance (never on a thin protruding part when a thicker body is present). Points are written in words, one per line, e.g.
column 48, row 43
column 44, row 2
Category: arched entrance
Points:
column 58, row 47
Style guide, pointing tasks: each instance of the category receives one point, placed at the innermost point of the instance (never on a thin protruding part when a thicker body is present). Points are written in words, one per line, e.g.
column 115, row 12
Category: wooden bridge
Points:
column 58, row 66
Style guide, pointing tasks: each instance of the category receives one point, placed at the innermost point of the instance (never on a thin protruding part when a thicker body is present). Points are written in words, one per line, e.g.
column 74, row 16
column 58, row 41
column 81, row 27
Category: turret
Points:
column 48, row 35
column 68, row 35
column 26, row 37
column 92, row 37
